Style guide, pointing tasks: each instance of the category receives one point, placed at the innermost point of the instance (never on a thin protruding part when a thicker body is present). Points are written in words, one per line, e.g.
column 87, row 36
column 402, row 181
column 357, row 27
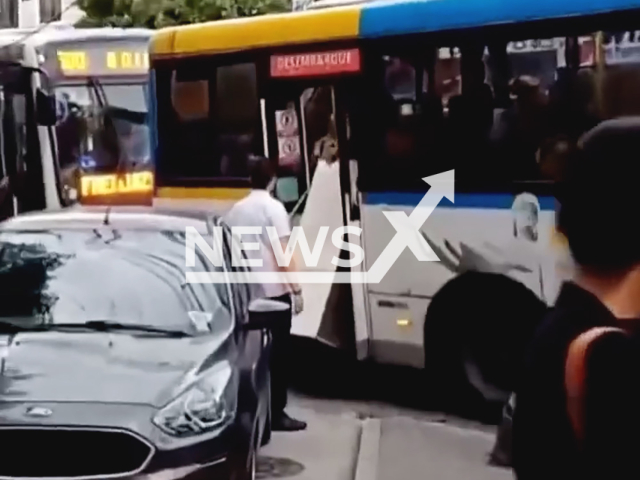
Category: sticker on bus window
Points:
column 289, row 151
column 286, row 122
column 316, row 64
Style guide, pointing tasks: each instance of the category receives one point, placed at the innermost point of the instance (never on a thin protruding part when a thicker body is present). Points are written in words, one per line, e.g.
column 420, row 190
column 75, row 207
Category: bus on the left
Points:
column 74, row 117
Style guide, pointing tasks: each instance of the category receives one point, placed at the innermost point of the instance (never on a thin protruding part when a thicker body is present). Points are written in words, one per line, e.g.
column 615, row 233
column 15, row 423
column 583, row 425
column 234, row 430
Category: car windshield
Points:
column 96, row 137
column 128, row 277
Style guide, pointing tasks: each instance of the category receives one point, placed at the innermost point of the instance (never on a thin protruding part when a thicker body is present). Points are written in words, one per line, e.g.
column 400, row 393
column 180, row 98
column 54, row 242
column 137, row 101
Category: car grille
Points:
column 62, row 452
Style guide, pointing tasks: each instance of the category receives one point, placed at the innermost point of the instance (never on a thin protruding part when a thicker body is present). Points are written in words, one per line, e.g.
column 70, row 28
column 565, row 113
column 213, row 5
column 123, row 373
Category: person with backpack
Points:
column 577, row 414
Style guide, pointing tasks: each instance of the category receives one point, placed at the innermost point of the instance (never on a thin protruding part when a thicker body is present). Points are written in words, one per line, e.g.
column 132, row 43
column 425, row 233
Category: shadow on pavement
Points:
column 275, row 467
column 322, row 371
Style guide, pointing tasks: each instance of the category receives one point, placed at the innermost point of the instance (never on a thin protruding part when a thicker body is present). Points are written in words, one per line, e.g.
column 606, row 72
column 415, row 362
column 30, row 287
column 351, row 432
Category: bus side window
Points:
column 237, row 118
column 190, row 101
column 210, row 121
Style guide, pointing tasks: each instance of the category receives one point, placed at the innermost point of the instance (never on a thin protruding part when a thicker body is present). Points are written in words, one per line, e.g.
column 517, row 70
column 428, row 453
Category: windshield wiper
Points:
column 10, row 327
column 95, row 325
column 108, row 326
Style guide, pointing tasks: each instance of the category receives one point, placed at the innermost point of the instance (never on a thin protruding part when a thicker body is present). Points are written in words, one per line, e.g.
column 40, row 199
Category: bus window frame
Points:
column 162, row 67
column 295, row 86
column 402, row 47
column 30, row 154
column 261, row 58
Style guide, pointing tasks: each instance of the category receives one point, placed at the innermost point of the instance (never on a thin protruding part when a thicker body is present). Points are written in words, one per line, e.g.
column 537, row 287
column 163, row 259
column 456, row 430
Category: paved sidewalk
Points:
column 327, row 450
column 411, row 449
column 341, row 447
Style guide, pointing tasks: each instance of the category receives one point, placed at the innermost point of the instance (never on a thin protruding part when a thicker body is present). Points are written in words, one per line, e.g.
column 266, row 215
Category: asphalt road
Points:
column 369, row 422
column 349, row 440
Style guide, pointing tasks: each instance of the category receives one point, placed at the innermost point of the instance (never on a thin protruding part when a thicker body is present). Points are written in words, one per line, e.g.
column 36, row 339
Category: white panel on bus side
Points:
column 473, row 238
column 397, row 329
column 479, row 239
column 323, row 209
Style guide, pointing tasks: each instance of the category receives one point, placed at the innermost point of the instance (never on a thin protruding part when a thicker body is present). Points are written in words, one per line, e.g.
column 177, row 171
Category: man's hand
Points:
column 297, row 302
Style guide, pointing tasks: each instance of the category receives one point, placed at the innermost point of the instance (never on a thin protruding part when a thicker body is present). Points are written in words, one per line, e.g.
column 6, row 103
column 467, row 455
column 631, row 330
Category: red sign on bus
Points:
column 316, row 64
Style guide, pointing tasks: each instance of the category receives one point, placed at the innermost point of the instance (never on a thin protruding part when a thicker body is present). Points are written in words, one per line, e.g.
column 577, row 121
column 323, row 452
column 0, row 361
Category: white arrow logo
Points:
column 408, row 227
column 407, row 236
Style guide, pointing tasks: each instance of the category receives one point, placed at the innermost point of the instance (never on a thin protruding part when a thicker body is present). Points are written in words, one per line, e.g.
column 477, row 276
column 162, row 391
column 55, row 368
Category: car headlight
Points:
column 208, row 404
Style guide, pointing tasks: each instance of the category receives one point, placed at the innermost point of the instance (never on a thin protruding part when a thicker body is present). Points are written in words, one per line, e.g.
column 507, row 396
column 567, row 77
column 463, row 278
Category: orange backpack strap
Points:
column 576, row 374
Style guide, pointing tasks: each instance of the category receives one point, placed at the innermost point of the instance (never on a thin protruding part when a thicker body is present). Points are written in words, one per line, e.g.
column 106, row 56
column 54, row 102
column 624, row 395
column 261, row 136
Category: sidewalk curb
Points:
column 368, row 451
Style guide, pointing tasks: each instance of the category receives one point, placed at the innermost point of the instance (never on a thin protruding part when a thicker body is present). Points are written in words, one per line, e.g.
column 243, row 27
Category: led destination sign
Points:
column 80, row 62
column 100, row 59
column 99, row 185
column 124, row 189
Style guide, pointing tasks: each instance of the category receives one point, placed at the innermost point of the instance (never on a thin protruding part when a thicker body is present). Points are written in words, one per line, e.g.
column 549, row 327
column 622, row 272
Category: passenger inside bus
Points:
column 553, row 156
column 106, row 150
column 493, row 126
column 90, row 137
column 132, row 137
column 522, row 127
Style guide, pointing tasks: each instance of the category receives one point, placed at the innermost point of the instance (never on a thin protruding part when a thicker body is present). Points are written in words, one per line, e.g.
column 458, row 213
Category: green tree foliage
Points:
column 163, row 13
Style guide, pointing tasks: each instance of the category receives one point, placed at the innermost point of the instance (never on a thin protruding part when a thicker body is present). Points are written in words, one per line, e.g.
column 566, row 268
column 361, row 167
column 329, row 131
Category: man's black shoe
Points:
column 284, row 423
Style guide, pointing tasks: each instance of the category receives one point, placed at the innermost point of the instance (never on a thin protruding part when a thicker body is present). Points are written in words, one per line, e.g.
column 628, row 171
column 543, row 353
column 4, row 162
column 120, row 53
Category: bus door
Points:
column 8, row 204
column 286, row 147
column 14, row 145
column 307, row 135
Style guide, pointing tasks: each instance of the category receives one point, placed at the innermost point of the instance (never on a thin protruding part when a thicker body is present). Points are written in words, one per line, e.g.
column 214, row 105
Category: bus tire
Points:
column 479, row 323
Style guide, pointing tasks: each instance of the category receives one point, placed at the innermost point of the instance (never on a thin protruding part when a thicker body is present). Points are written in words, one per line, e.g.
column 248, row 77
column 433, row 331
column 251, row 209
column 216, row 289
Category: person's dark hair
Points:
column 261, row 172
column 599, row 198
column 555, row 145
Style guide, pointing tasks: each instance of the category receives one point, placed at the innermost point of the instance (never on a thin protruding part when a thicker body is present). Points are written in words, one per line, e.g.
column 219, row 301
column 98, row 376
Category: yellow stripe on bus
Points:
column 339, row 23
column 162, row 41
column 204, row 193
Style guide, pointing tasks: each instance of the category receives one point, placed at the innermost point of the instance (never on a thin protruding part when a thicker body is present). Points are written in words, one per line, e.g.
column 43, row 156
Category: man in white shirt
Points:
column 260, row 209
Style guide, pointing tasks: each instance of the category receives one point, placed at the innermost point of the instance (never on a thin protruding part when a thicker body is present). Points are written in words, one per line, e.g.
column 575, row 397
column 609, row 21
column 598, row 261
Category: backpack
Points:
column 575, row 375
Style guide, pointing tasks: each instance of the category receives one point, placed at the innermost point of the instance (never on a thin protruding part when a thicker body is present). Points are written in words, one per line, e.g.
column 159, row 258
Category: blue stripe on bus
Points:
column 462, row 200
column 152, row 117
column 402, row 17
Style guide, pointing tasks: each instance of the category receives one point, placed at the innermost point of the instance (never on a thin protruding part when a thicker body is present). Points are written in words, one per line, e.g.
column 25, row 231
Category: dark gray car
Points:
column 112, row 366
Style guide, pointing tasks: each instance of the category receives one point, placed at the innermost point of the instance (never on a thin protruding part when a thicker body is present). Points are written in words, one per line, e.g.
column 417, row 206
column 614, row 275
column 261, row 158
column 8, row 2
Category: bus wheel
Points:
column 476, row 329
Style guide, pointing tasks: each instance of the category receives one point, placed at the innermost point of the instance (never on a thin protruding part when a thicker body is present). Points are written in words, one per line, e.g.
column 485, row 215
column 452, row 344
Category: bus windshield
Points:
column 97, row 137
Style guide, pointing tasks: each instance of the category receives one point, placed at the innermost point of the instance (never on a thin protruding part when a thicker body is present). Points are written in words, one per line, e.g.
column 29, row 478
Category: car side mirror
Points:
column 46, row 109
column 266, row 314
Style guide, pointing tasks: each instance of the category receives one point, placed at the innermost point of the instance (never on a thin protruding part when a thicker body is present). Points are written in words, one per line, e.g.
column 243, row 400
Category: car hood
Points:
column 100, row 367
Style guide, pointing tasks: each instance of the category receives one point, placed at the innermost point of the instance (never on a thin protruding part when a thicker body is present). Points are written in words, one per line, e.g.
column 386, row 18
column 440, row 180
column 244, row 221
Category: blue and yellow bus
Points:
column 355, row 105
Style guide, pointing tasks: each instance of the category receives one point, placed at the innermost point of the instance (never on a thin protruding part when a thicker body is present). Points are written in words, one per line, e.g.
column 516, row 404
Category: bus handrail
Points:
column 299, row 203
